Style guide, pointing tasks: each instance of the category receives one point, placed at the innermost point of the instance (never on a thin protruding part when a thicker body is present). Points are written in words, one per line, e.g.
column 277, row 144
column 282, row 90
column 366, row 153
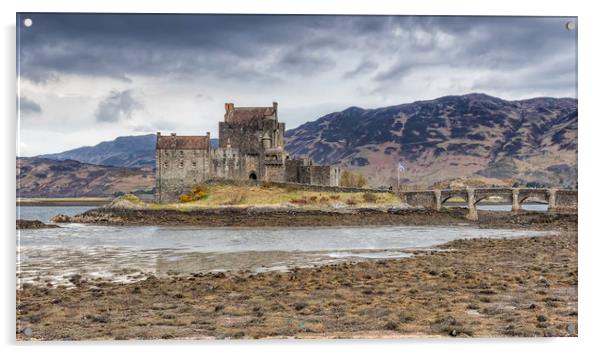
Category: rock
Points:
column 75, row 278
column 541, row 318
column 61, row 218
column 33, row 224
column 571, row 328
column 391, row 326
column 102, row 318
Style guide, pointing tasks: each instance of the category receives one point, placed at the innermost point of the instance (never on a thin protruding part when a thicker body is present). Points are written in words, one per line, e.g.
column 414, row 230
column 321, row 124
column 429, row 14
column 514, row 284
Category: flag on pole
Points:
column 401, row 167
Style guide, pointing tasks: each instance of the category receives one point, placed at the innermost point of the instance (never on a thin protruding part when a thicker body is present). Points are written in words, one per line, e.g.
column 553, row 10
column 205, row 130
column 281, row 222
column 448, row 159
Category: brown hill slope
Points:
column 38, row 177
column 450, row 137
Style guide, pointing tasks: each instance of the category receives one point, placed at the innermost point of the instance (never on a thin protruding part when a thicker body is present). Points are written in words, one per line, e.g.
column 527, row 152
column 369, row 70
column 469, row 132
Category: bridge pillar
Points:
column 515, row 203
column 472, row 209
column 552, row 201
column 403, row 197
column 438, row 199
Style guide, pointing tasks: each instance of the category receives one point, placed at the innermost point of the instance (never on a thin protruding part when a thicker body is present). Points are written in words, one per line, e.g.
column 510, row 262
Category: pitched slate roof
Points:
column 245, row 114
column 183, row 142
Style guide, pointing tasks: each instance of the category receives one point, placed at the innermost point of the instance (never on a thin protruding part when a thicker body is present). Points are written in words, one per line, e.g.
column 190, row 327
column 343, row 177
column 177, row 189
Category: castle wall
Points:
column 274, row 173
column 226, row 163
column 321, row 175
column 252, row 137
column 177, row 171
column 291, row 170
column 251, row 164
column 248, row 136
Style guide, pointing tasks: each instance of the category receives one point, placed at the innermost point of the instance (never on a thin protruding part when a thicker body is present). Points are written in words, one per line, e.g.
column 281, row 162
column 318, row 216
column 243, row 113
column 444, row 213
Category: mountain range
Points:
column 124, row 151
column 533, row 140
column 451, row 137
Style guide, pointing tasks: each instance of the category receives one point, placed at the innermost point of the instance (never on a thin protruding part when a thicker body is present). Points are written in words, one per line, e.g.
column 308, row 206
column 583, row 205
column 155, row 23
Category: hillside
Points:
column 124, row 151
column 449, row 137
column 37, row 177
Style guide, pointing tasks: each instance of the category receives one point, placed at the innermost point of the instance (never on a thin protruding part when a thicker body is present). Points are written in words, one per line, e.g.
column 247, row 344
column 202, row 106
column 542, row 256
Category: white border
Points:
column 589, row 157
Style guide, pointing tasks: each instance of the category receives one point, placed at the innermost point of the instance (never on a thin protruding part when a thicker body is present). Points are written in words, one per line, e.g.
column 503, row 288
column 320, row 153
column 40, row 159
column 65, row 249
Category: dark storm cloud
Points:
column 28, row 106
column 270, row 48
column 118, row 105
column 120, row 45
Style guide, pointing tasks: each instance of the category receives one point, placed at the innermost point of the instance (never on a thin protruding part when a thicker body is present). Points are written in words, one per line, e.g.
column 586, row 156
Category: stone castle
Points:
column 251, row 147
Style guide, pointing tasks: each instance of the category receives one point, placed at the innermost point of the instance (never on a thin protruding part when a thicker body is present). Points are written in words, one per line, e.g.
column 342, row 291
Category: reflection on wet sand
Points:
column 58, row 266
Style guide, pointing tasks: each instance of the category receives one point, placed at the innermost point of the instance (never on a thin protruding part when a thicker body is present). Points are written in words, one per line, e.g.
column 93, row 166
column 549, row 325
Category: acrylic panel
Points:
column 212, row 176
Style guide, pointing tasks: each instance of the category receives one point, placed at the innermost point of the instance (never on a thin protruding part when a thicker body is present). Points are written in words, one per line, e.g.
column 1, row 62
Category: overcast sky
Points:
column 85, row 78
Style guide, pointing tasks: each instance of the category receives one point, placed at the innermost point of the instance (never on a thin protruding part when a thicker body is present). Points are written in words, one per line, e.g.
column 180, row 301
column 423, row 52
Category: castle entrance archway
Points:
column 253, row 176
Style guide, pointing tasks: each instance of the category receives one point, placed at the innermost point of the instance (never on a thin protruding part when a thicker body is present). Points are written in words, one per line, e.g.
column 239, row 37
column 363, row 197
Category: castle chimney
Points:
column 229, row 107
column 275, row 105
column 209, row 135
column 158, row 133
column 173, row 134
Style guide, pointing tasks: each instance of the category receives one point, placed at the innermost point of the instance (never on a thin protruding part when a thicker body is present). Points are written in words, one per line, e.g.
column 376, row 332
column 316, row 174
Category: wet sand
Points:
column 470, row 288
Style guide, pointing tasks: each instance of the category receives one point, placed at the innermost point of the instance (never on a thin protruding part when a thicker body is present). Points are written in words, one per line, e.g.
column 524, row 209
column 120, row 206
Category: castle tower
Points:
column 259, row 136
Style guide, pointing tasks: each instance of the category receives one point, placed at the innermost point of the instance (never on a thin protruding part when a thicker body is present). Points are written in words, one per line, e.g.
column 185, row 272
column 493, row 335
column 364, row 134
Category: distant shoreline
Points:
column 83, row 201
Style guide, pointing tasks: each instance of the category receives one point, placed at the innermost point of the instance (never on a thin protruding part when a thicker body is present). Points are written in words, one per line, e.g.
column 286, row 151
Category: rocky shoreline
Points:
column 33, row 224
column 471, row 288
column 264, row 216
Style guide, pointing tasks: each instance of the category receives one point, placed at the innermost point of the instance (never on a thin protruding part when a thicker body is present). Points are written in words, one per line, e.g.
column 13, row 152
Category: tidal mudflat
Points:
column 519, row 286
column 130, row 253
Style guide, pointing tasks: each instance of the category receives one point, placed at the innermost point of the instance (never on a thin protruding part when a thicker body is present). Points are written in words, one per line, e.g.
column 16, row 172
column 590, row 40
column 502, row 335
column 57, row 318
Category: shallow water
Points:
column 45, row 213
column 508, row 207
column 501, row 207
column 127, row 253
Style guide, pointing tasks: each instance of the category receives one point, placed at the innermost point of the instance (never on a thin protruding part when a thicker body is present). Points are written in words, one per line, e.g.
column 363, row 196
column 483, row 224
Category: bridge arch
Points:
column 447, row 198
column 446, row 195
column 534, row 199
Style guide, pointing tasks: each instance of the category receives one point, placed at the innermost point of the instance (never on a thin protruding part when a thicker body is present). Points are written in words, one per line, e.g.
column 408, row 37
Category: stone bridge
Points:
column 558, row 200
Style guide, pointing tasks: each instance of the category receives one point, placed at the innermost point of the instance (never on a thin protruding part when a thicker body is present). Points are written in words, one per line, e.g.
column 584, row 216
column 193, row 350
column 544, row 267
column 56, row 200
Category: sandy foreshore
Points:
column 471, row 288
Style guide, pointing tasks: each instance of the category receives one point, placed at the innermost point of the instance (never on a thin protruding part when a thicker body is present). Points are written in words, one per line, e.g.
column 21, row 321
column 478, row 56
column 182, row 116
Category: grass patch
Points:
column 199, row 192
column 269, row 195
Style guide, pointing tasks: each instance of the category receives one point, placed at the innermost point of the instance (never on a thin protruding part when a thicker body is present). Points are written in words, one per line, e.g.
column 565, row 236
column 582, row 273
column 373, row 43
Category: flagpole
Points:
column 398, row 178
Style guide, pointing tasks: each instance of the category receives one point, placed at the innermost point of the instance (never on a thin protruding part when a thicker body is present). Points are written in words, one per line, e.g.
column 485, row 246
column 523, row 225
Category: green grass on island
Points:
column 211, row 196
